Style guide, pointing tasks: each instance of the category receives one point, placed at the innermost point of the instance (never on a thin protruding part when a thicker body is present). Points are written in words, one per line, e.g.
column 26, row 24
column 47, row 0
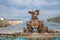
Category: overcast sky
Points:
column 18, row 9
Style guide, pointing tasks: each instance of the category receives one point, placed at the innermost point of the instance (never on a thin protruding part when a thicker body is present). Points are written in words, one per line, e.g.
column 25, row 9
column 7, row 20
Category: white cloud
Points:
column 21, row 2
column 12, row 11
column 36, row 3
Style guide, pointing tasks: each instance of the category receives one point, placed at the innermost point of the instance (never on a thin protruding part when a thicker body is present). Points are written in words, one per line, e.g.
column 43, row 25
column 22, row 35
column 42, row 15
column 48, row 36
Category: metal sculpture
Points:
column 35, row 23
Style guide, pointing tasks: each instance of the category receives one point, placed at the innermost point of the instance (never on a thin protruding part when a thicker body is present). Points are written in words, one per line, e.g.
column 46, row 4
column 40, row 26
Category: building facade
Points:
column 3, row 22
column 14, row 22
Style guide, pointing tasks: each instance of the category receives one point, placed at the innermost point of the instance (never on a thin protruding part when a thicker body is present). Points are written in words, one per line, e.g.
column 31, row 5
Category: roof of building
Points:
column 14, row 20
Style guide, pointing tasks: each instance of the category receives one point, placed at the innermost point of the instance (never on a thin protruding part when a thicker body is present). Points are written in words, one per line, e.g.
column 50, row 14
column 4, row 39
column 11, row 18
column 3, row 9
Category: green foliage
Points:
column 55, row 19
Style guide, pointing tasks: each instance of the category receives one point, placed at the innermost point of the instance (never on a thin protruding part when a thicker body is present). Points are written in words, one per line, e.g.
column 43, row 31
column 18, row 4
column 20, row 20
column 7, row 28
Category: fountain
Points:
column 35, row 23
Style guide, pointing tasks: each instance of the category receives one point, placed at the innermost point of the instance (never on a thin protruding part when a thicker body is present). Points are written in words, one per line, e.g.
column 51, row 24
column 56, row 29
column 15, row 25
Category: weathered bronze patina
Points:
column 35, row 23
